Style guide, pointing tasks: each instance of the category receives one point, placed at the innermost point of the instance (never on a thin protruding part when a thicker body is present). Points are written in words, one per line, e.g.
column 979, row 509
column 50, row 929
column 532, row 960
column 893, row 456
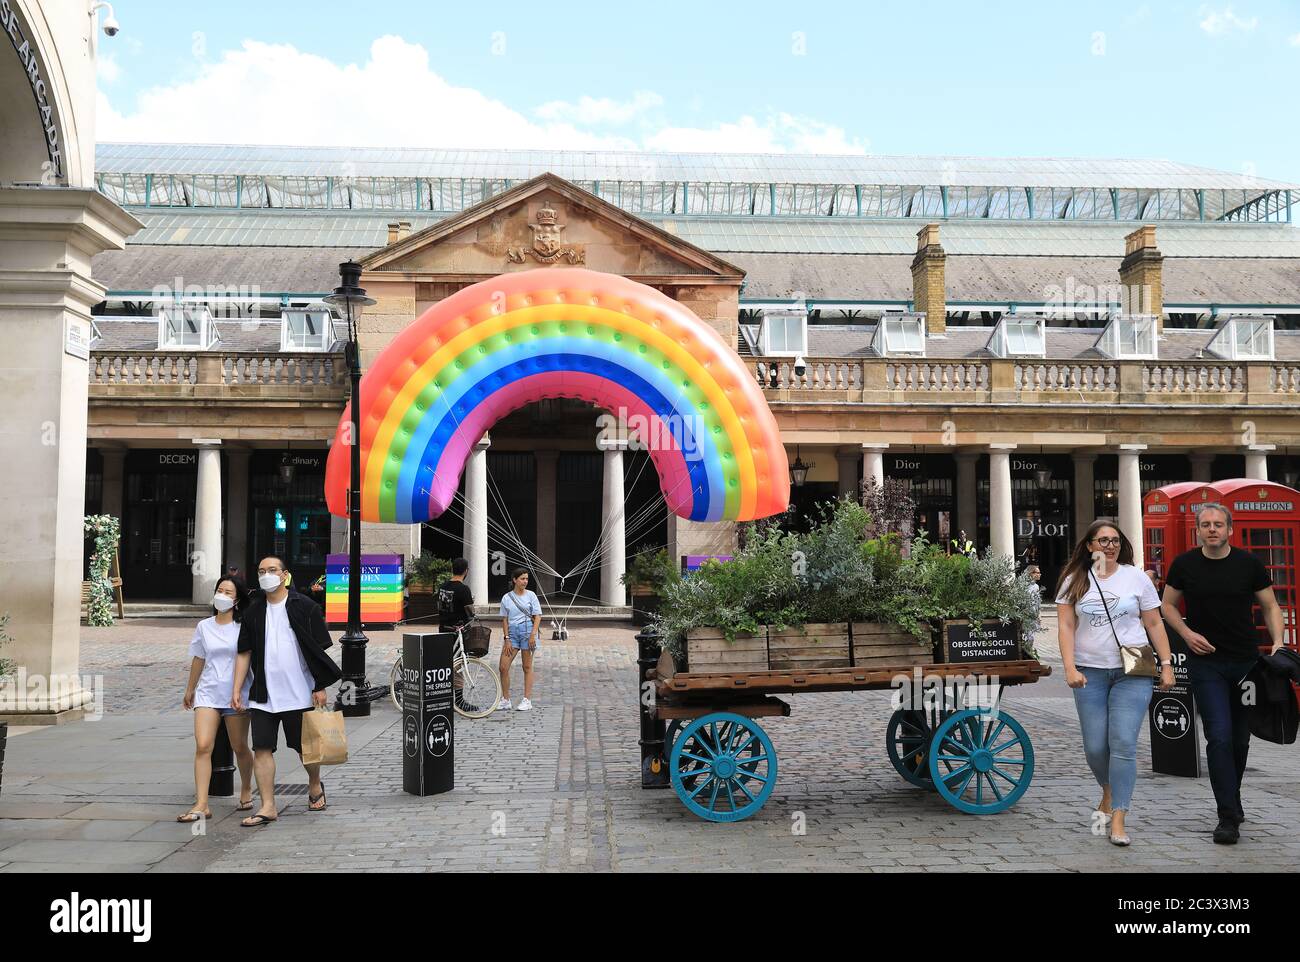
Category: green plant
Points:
column 651, row 570
column 106, row 530
column 427, row 570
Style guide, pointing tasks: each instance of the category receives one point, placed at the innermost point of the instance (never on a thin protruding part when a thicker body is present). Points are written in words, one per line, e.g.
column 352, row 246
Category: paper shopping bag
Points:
column 324, row 740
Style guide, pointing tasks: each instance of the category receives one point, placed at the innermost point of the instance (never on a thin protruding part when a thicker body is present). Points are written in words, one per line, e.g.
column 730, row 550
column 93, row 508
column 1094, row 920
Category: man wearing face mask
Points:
column 282, row 641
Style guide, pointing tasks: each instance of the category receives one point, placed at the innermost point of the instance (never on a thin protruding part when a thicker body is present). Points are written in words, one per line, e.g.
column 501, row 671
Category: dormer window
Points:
column 1244, row 339
column 1129, row 337
column 186, row 329
column 783, row 332
column 900, row 334
column 1019, row 336
column 306, row 330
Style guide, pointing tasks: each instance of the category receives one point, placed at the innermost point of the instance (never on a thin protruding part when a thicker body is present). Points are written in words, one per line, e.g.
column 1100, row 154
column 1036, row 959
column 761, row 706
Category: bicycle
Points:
column 477, row 686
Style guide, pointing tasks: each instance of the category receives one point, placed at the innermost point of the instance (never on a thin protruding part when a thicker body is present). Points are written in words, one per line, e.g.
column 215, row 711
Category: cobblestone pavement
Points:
column 557, row 789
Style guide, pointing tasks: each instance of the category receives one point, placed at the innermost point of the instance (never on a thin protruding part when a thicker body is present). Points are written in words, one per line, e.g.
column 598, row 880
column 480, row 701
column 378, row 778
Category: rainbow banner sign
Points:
column 381, row 590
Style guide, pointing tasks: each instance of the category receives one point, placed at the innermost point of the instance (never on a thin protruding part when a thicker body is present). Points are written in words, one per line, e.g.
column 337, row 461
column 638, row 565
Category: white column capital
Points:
column 1132, row 448
column 874, row 446
column 1002, row 446
column 1261, row 448
column 206, row 442
column 612, row 444
column 483, row 443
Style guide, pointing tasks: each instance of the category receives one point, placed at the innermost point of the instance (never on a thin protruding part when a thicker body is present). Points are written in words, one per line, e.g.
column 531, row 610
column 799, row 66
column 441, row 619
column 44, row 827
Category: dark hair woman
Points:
column 521, row 620
column 1103, row 602
column 212, row 673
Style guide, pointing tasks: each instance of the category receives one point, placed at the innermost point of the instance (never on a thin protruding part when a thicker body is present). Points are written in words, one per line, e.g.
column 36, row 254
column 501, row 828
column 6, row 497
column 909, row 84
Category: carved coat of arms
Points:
column 548, row 242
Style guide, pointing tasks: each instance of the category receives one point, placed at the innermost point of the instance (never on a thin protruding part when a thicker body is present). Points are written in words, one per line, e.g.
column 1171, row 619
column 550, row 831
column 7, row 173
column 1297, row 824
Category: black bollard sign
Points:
column 428, row 713
column 1175, row 744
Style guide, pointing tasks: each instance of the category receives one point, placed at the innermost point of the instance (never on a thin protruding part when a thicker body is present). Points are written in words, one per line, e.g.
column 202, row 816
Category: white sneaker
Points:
column 525, row 705
column 504, row 705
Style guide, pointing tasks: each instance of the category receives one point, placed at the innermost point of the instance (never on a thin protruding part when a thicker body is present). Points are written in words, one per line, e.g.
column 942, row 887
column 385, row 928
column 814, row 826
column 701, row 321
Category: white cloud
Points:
column 265, row 93
column 603, row 110
column 107, row 68
column 1295, row 41
column 1217, row 23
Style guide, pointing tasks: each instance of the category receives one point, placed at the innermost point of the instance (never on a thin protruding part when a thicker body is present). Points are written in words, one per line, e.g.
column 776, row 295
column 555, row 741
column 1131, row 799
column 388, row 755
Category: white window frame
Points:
column 324, row 340
column 785, row 315
column 1110, row 344
column 999, row 342
column 1224, row 344
column 207, row 328
column 883, row 341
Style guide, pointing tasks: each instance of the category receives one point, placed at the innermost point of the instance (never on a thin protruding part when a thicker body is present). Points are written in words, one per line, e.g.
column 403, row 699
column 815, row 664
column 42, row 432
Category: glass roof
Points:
column 678, row 167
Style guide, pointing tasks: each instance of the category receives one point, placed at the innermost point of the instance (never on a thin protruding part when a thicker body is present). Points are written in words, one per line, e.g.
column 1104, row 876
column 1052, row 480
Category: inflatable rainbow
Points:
column 562, row 332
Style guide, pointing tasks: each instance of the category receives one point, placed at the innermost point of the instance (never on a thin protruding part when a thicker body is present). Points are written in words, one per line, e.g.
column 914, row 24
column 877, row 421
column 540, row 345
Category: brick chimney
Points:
column 1141, row 274
column 928, row 293
column 394, row 233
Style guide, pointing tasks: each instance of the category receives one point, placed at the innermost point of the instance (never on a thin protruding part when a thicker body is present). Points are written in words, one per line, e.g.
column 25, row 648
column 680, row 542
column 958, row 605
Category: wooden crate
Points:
column 707, row 650
column 877, row 645
column 808, row 646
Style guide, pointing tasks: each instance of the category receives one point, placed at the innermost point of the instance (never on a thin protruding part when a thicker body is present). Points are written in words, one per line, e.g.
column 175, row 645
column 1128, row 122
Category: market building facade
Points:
column 1028, row 357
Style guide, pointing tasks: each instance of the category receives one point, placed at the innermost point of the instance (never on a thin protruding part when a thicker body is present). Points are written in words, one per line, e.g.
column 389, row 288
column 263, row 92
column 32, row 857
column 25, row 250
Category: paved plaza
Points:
column 558, row 789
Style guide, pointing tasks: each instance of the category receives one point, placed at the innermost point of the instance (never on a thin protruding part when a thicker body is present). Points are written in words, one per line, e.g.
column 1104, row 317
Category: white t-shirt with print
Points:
column 1127, row 592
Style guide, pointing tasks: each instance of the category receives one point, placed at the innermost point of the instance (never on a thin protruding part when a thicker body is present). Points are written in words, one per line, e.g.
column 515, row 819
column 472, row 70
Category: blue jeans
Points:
column 1217, row 687
column 1111, row 710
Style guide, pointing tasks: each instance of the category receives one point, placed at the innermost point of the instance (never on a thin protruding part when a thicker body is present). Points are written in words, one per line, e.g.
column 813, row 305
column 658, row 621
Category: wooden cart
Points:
column 723, row 766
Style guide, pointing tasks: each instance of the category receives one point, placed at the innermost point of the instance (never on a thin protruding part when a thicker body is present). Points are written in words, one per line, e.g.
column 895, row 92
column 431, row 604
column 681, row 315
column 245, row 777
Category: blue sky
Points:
column 1211, row 84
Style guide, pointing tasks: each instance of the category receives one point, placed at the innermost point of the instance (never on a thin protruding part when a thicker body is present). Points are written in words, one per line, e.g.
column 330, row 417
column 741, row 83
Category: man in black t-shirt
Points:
column 455, row 599
column 1221, row 584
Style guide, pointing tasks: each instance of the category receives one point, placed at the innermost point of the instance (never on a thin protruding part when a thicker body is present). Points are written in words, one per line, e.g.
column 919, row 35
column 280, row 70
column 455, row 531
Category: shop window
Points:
column 1129, row 337
column 186, row 328
column 1019, row 336
column 306, row 331
column 783, row 332
column 900, row 334
column 1244, row 339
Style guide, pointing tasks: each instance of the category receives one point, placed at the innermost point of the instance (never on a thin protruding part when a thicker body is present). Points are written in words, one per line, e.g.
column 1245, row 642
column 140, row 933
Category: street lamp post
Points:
column 350, row 294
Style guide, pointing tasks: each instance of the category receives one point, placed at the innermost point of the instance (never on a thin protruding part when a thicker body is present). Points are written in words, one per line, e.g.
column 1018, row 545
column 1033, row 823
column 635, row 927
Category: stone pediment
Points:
column 547, row 221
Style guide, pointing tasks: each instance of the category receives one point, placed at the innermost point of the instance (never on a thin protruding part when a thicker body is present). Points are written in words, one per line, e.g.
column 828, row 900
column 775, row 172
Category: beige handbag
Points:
column 1139, row 662
column 324, row 739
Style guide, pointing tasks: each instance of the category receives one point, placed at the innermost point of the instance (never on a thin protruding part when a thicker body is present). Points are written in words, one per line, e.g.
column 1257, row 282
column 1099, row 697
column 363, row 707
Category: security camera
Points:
column 799, row 367
column 111, row 26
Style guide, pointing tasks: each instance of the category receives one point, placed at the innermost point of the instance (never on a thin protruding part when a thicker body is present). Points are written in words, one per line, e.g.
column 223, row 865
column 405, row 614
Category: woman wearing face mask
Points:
column 211, row 682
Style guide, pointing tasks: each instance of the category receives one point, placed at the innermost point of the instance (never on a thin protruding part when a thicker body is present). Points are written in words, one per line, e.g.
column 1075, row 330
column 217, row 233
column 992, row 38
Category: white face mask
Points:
column 222, row 602
column 269, row 583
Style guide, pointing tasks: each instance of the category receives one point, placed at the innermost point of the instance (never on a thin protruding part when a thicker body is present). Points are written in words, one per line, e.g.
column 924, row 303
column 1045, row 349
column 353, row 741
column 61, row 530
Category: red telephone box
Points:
column 1169, row 523
column 1266, row 521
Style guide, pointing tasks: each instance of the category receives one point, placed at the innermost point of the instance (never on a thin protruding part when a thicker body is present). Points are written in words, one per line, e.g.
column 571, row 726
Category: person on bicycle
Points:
column 521, row 620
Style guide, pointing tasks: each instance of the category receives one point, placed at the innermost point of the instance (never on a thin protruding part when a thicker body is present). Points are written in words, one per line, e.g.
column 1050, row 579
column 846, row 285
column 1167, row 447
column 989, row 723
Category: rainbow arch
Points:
column 551, row 333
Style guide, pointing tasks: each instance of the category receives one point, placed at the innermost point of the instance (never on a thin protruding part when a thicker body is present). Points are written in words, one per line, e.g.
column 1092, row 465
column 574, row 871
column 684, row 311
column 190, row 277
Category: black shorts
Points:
column 266, row 726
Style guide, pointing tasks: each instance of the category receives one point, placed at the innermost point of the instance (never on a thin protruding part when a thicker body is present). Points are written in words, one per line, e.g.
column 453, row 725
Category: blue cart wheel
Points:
column 907, row 740
column 981, row 761
column 723, row 767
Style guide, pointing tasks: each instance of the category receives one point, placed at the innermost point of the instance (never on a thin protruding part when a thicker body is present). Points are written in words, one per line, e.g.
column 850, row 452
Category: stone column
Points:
column 476, row 520
column 873, row 463
column 1257, row 461
column 114, row 481
column 847, row 464
column 613, row 506
column 207, row 563
column 967, row 495
column 1201, row 462
column 546, row 514
column 1130, row 496
column 1085, row 493
column 1002, row 536
column 237, row 510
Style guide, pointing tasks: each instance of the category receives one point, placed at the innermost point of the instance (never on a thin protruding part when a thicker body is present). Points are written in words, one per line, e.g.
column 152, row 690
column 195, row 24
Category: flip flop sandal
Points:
column 190, row 817
column 244, row 806
column 313, row 799
column 257, row 821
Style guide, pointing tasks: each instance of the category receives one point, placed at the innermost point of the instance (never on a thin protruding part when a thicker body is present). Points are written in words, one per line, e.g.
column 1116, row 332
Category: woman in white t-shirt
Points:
column 208, row 693
column 1103, row 601
column 521, row 620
